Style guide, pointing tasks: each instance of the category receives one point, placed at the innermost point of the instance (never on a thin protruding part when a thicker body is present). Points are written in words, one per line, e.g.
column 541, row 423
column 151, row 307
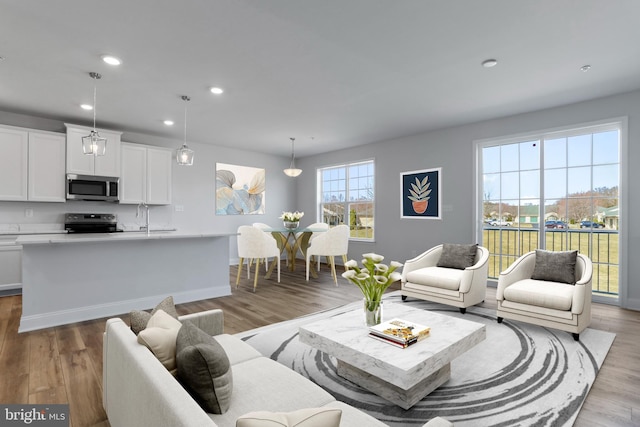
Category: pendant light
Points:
column 184, row 155
column 93, row 144
column 292, row 171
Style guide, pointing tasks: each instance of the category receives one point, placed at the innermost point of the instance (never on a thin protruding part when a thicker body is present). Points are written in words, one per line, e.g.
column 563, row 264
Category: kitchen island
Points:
column 69, row 278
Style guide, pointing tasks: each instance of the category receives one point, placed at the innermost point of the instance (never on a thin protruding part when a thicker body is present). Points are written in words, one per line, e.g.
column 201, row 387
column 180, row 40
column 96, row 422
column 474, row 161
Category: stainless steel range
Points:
column 90, row 223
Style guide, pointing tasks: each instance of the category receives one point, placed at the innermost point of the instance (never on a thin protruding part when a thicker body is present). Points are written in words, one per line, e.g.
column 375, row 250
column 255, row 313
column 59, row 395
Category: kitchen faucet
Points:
column 146, row 208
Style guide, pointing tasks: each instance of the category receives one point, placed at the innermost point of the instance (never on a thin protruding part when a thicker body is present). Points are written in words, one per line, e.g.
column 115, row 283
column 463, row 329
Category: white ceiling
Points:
column 345, row 72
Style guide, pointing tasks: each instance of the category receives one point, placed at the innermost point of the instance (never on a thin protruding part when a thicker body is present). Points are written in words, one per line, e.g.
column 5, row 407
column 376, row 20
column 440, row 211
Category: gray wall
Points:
column 452, row 149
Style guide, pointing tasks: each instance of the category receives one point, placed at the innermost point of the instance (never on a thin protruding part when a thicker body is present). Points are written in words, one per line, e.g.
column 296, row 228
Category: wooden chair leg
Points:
column 255, row 280
column 333, row 269
column 239, row 272
column 344, row 261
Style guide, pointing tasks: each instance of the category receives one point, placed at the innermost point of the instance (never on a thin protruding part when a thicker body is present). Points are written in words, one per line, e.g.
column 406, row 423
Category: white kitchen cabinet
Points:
column 46, row 176
column 32, row 165
column 14, row 163
column 145, row 175
column 82, row 164
column 10, row 265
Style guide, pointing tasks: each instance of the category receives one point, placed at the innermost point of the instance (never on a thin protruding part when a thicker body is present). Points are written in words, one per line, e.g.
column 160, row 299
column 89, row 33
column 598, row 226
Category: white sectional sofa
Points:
column 139, row 391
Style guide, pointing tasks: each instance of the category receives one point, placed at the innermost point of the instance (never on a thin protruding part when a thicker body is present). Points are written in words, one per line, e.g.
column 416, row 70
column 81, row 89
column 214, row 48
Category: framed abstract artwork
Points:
column 420, row 193
column 240, row 190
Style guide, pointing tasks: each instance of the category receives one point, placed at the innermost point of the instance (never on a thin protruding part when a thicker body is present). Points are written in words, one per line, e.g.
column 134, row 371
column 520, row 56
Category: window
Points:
column 556, row 191
column 346, row 196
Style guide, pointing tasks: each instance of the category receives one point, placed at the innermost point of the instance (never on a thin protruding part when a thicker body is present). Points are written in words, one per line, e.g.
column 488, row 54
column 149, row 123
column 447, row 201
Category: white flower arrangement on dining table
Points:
column 292, row 216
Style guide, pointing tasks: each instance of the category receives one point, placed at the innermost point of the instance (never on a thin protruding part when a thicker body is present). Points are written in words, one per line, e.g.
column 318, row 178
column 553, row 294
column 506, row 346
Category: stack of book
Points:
column 399, row 332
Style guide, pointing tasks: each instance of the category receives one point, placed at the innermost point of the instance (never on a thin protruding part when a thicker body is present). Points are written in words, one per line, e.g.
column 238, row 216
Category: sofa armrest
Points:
column 138, row 390
column 521, row 269
column 429, row 258
column 210, row 321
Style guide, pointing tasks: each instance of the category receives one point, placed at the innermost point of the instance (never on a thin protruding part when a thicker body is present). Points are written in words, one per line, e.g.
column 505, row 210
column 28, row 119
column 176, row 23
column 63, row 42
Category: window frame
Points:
column 319, row 194
column 617, row 123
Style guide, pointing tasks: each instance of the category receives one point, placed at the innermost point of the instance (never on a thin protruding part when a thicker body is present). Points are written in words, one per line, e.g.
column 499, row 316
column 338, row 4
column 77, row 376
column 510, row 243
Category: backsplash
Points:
column 32, row 215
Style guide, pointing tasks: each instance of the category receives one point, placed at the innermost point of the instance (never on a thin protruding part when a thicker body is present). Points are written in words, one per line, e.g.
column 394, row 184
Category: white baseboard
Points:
column 63, row 317
column 10, row 286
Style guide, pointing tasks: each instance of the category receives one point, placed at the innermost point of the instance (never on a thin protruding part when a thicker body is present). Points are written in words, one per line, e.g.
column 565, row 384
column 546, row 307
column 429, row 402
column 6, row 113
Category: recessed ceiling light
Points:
column 216, row 90
column 86, row 107
column 168, row 122
column 111, row 60
column 585, row 68
column 488, row 63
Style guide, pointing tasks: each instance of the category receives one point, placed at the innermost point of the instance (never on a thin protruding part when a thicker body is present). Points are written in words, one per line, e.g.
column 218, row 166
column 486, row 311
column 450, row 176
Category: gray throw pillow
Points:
column 457, row 256
column 204, row 369
column 138, row 319
column 555, row 266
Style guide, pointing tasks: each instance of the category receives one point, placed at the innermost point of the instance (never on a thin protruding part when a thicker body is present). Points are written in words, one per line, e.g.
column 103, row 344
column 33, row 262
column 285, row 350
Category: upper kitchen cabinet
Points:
column 82, row 164
column 14, row 166
column 32, row 165
column 46, row 167
column 146, row 175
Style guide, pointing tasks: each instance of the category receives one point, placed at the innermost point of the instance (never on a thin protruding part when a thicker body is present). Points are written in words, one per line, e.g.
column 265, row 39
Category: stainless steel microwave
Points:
column 88, row 187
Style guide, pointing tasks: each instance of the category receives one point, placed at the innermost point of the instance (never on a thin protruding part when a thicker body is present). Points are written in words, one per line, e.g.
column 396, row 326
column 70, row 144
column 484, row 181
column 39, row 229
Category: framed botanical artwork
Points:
column 240, row 190
column 420, row 194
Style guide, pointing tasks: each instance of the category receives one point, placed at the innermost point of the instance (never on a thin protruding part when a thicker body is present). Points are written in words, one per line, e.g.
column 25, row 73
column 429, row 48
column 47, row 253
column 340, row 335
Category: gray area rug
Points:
column 521, row 375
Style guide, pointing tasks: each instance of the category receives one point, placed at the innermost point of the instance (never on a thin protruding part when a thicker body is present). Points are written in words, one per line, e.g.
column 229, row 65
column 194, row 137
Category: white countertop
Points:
column 112, row 237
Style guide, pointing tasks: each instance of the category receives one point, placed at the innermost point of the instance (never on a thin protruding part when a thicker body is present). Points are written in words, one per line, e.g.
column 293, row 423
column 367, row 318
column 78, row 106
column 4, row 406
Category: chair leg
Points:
column 463, row 310
column 255, row 280
column 239, row 272
column 333, row 269
column 308, row 261
column 344, row 261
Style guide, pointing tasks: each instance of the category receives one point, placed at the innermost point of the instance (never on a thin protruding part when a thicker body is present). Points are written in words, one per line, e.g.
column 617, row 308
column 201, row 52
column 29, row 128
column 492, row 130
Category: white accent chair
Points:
column 256, row 245
column 462, row 288
column 332, row 243
column 546, row 303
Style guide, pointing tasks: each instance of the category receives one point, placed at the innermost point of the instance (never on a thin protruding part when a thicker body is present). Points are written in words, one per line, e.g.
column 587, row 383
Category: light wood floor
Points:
column 64, row 364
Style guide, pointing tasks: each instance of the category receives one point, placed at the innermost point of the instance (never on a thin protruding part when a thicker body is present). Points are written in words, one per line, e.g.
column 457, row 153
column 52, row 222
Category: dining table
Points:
column 292, row 240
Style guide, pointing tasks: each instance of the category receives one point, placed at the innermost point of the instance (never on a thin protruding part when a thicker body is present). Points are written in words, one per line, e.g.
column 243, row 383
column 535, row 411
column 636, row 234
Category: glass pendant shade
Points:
column 292, row 171
column 93, row 144
column 184, row 155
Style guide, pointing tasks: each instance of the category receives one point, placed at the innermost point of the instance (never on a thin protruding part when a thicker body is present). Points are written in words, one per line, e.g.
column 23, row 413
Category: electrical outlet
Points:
column 28, row 213
column 179, row 208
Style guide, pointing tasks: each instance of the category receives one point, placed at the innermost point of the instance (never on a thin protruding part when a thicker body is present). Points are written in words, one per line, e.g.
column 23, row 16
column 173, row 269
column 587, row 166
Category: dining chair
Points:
column 314, row 226
column 256, row 245
column 332, row 243
column 281, row 239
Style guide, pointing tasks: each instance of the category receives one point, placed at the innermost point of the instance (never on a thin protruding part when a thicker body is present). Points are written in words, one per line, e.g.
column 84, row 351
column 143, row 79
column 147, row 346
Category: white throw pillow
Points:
column 308, row 417
column 160, row 337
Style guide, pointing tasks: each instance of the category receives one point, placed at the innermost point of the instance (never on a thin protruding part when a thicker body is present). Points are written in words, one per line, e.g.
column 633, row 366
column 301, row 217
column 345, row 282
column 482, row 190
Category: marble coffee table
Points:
column 403, row 376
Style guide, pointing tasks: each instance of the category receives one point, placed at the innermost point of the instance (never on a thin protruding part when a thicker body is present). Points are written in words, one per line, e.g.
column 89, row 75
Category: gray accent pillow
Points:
column 138, row 319
column 457, row 256
column 204, row 369
column 555, row 266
